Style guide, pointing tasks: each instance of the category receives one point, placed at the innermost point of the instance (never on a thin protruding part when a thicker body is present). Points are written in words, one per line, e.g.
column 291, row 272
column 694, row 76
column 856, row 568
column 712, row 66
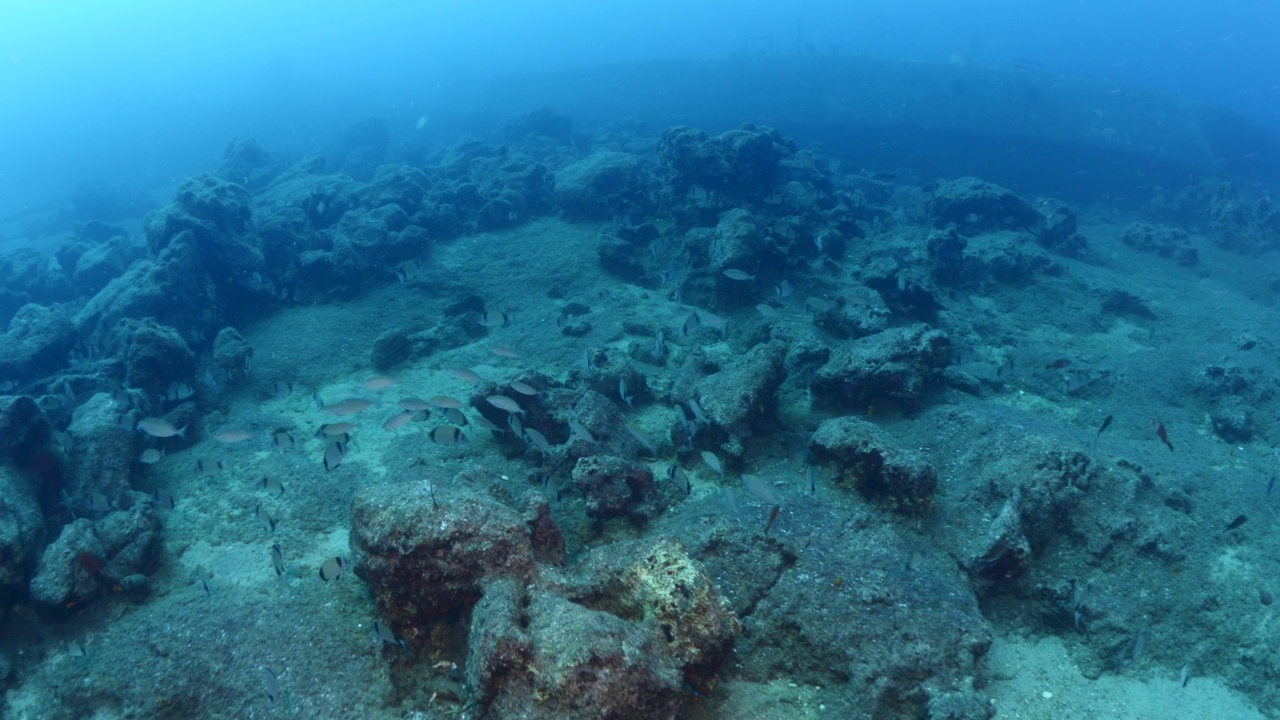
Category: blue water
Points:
column 143, row 93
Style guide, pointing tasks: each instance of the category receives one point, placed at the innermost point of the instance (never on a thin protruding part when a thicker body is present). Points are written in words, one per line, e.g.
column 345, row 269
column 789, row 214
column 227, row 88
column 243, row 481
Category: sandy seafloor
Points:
column 317, row 633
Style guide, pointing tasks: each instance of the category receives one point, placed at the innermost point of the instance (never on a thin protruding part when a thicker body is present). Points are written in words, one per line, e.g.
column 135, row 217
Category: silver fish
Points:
column 272, row 684
column 736, row 274
column 627, row 397
column 163, row 499
column 763, row 491
column 698, row 416
column 713, row 462
column 502, row 402
column 150, row 456
column 158, row 427
column 332, row 569
column 680, row 479
column 448, row 435
column 271, row 485
column 277, row 559
column 581, row 431
column 267, row 522
column 537, row 439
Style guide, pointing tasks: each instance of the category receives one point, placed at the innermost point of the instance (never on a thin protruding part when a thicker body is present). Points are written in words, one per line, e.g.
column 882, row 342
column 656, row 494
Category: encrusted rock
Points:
column 863, row 456
column 975, row 206
column 898, row 365
column 37, row 343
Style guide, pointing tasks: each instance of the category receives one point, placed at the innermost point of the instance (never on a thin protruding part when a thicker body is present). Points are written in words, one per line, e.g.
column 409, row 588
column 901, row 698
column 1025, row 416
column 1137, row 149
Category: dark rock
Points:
column 103, row 263
column 602, row 185
column 1057, row 229
column 741, row 399
column 232, row 355
column 217, row 219
column 864, row 457
column 976, row 206
column 103, row 454
column 22, row 533
column 544, row 122
column 897, row 366
column 390, row 349
column 613, row 487
column 37, row 343
column 744, row 163
column 245, row 162
column 1233, row 420
column 619, row 257
column 154, row 356
column 1167, row 242
column 858, row 311
column 27, row 440
column 737, row 245
column 90, row 556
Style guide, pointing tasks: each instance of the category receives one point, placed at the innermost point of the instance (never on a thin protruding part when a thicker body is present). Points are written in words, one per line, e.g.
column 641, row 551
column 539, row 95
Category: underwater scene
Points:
column 704, row 363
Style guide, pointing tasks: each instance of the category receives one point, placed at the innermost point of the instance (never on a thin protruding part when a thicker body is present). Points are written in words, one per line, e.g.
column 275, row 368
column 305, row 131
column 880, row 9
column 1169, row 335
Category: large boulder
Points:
column 601, row 185
column 37, row 343
column 21, row 535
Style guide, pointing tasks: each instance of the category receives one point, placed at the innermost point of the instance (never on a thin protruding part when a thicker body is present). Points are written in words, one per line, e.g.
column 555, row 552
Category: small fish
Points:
column 1240, row 520
column 467, row 375
column 268, row 523
column 729, row 501
column 414, row 404
column 768, row 312
column 272, row 684
column 536, row 439
column 350, row 406
column 493, row 318
column 523, row 388
column 1058, row 364
column 660, row 345
column 678, row 477
column 382, row 634
column 1140, row 643
column 281, row 389
column 334, row 429
column 448, row 435
column 698, row 416
column 581, row 431
column 454, row 416
column 1164, row 436
column 819, row 304
column 271, row 485
column 150, row 456
column 163, row 499
column 713, row 462
column 504, row 351
column 690, row 326
column 74, row 649
column 1186, row 674
column 773, row 515
column 502, row 402
column 277, row 559
column 444, row 401
column 379, row 382
column 160, row 428
column 282, row 441
column 485, row 423
column 627, row 397
column 333, row 454
column 810, row 478
column 232, row 435
column 1105, row 424
column 735, row 274
column 397, row 421
column 332, row 569
column 783, row 290
column 179, row 391
column 645, row 443
column 319, row 401
column 517, row 428
column 757, row 486
column 205, row 466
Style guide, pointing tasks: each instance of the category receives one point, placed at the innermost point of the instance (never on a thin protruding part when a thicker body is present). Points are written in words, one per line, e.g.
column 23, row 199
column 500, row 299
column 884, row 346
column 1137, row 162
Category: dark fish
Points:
column 277, row 559
column 810, row 478
column 1164, row 436
column 332, row 569
column 384, row 635
column 448, row 435
column 265, row 520
column 773, row 515
column 1186, row 674
column 679, row 478
column 283, row 441
column 163, row 499
column 493, row 318
column 272, row 485
column 333, row 454
column 272, row 685
column 1105, row 424
column 1240, row 520
column 454, row 416
column 1140, row 644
